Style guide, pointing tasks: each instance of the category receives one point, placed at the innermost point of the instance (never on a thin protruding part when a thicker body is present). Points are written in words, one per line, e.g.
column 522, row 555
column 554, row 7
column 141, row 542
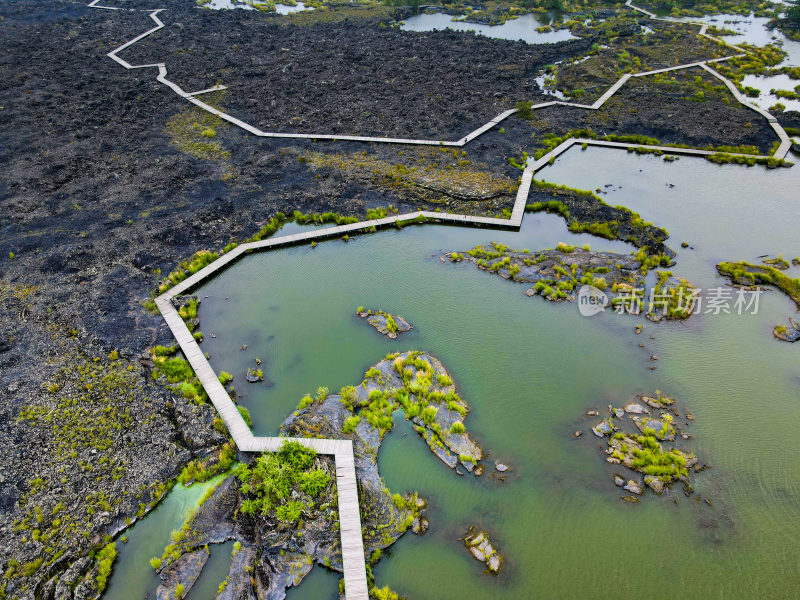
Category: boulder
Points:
column 483, row 550
column 654, row 483
column 633, row 487
column 420, row 525
column 602, row 429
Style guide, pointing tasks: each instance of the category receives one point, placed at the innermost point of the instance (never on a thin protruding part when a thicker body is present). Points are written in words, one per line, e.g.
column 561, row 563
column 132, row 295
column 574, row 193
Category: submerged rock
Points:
column 483, row 550
column 254, row 375
column 389, row 325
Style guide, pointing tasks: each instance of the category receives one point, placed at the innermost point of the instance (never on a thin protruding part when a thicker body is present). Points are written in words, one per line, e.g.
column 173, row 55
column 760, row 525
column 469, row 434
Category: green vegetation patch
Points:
column 194, row 132
column 83, row 414
column 200, row 470
column 645, row 454
column 585, row 212
column 175, row 372
column 749, row 275
column 284, row 484
column 435, row 175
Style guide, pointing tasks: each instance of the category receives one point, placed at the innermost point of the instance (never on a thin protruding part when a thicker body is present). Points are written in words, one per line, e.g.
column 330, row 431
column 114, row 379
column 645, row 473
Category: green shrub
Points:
column 350, row 424
column 268, row 482
column 105, row 559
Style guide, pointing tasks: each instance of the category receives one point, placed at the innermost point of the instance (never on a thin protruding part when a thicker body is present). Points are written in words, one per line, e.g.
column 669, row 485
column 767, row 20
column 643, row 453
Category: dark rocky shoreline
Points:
column 280, row 555
column 98, row 202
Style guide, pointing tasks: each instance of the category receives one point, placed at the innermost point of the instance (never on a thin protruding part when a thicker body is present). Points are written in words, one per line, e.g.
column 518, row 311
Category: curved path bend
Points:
column 353, row 559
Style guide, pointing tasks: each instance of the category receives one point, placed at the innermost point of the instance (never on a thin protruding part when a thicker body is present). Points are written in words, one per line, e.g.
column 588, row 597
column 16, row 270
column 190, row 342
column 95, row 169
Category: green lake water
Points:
column 132, row 577
column 529, row 369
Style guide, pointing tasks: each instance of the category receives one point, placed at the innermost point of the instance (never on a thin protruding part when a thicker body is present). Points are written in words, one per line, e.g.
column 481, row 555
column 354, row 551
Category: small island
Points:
column 644, row 452
column 788, row 334
column 389, row 325
column 749, row 276
column 482, row 549
column 558, row 274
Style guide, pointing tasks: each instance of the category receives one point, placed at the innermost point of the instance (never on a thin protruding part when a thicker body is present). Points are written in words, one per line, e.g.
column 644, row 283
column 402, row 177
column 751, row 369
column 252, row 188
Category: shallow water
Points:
column 530, row 369
column 522, row 28
column 545, row 84
column 285, row 9
column 214, row 573
column 753, row 30
column 281, row 9
column 132, row 577
column 226, row 4
column 776, row 82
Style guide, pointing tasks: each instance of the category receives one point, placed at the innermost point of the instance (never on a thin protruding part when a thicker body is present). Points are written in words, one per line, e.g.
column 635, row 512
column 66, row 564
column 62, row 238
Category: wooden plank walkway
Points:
column 781, row 151
column 353, row 559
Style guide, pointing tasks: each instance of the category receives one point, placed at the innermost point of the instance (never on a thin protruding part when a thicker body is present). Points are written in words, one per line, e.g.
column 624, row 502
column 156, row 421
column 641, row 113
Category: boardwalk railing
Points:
column 780, row 152
column 353, row 559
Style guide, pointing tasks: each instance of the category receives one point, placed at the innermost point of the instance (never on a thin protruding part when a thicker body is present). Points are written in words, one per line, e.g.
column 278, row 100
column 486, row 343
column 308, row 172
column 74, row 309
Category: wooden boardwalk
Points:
column 780, row 152
column 353, row 559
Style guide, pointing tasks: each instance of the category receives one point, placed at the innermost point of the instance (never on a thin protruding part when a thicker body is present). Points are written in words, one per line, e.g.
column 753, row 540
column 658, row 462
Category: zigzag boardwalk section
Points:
column 780, row 152
column 353, row 560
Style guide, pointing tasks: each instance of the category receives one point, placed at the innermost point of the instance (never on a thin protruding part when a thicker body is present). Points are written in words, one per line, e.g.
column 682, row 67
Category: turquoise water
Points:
column 132, row 576
column 214, row 573
column 522, row 28
column 530, row 369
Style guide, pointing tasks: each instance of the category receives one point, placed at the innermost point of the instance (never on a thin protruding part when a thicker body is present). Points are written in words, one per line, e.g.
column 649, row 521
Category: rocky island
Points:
column 389, row 325
column 483, row 550
column 644, row 452
column 750, row 276
column 281, row 508
column 558, row 274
